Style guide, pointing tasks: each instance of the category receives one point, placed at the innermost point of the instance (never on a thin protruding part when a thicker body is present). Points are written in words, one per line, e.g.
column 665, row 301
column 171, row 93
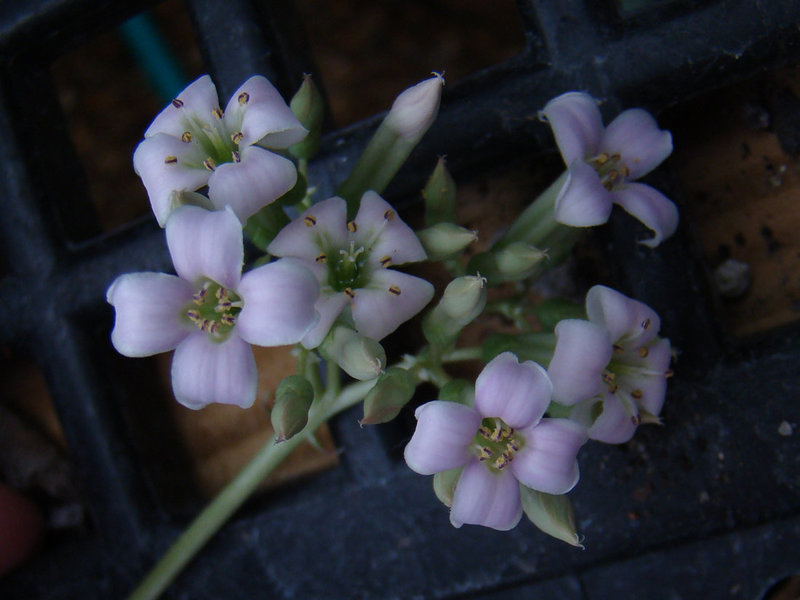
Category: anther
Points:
column 193, row 315
column 608, row 378
column 637, row 394
column 643, row 352
column 636, row 420
column 217, row 112
column 228, row 319
column 484, row 432
column 222, row 293
column 187, row 136
column 613, row 388
column 321, row 258
column 618, row 349
column 237, row 137
column 394, row 290
column 209, row 164
column 177, row 103
column 646, row 324
column 501, row 462
column 244, row 98
column 512, row 446
column 601, row 158
column 389, row 214
column 386, row 261
column 624, row 171
column 485, row 453
column 200, row 296
column 497, row 434
column 349, row 292
column 236, row 157
column 309, row 221
column 352, row 227
column 170, row 160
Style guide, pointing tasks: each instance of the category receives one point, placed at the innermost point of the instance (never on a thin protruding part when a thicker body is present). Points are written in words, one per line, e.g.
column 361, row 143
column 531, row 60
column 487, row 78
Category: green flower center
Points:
column 214, row 309
column 611, row 169
column 347, row 268
column 496, row 443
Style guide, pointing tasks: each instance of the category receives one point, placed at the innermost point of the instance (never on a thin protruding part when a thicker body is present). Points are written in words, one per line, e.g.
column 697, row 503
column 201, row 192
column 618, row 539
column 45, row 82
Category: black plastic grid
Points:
column 373, row 529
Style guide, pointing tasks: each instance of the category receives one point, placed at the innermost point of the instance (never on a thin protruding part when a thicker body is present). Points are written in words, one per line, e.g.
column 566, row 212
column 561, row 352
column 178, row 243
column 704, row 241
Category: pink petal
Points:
column 657, row 212
column 278, row 303
column 442, row 437
column 652, row 386
column 206, row 244
column 547, row 461
column 199, row 99
column 415, row 109
column 329, row 306
column 483, row 497
column 582, row 352
column 629, row 322
column 390, row 299
column 635, row 136
column 577, row 125
column 148, row 312
column 264, row 117
column 614, row 425
column 384, row 233
column 204, row 371
column 161, row 178
column 248, row 186
column 321, row 228
column 516, row 392
column 583, row 201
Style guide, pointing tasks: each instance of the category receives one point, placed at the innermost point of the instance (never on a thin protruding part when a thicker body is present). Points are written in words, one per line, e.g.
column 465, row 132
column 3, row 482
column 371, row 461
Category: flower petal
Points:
column 547, row 461
column 206, row 244
column 260, row 178
column 614, row 425
column 582, row 201
column 153, row 162
column 582, row 352
column 279, row 303
column 204, row 371
column 516, row 392
column 198, row 100
column 652, row 384
column 384, row 233
column 329, row 306
column 321, row 228
column 629, row 323
column 486, row 498
column 148, row 307
column 261, row 114
column 390, row 299
column 576, row 124
column 442, row 437
column 657, row 212
column 635, row 136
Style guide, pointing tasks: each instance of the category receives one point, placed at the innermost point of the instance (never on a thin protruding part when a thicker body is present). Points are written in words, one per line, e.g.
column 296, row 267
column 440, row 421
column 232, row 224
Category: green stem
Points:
column 460, row 354
column 536, row 223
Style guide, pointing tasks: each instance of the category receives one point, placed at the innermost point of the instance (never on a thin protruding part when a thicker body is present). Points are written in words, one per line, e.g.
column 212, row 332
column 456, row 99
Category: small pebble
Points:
column 785, row 429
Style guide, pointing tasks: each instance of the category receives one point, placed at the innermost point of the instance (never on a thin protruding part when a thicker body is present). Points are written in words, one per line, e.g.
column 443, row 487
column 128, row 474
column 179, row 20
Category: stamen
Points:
column 386, row 261
column 497, row 434
column 209, row 164
column 389, row 215
column 222, row 294
column 228, row 319
column 349, row 292
column 646, row 324
column 643, row 352
column 243, row 98
column 352, row 227
column 512, row 446
column 194, row 316
column 321, row 258
column 600, row 159
column 200, row 296
column 236, row 157
column 501, row 462
column 608, row 378
column 484, row 432
column 485, row 453
column 624, row 171
column 637, row 394
column 309, row 221
column 237, row 137
column 613, row 388
column 394, row 290
column 187, row 136
column 217, row 113
column 170, row 160
column 177, row 103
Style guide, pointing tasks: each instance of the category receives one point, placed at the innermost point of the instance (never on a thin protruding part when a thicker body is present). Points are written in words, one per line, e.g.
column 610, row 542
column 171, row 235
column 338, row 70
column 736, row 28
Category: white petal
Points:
column 582, row 201
column 279, row 303
column 629, row 322
column 547, row 461
column 517, row 393
column 652, row 387
column 486, row 498
column 199, row 99
column 577, row 125
column 321, row 228
column 329, row 306
column 206, row 244
column 657, row 212
column 614, row 425
column 415, row 109
column 635, row 136
column 582, row 352
column 264, row 113
column 204, row 371
column 442, row 437
column 248, row 186
column 384, row 233
column 390, row 299
column 161, row 178
column 148, row 307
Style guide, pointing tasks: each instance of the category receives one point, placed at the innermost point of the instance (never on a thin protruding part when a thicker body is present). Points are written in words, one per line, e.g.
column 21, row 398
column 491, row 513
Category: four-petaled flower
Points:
column 501, row 443
column 612, row 368
column 210, row 313
column 192, row 143
column 603, row 162
column 351, row 260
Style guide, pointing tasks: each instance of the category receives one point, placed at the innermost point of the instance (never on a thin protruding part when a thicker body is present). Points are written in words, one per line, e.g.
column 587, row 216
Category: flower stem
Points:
column 459, row 354
column 536, row 223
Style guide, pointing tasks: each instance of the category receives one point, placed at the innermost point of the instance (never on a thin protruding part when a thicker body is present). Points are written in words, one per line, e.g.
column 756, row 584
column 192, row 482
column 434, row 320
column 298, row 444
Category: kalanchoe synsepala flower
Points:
column 612, row 368
column 192, row 143
column 351, row 260
column 211, row 313
column 501, row 442
column 604, row 162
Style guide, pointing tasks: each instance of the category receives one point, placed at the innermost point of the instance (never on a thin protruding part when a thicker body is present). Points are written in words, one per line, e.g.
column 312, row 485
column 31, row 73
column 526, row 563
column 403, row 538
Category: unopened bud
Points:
column 391, row 393
column 415, row 109
column 444, row 485
column 518, row 261
column 359, row 356
column 464, row 299
column 293, row 399
column 440, row 196
column 460, row 391
column 444, row 240
column 308, row 106
column 552, row 514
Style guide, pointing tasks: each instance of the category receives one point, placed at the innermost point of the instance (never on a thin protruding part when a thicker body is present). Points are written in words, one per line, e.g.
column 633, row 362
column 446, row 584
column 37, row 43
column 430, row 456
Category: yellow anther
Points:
column 177, row 103
column 643, row 352
column 394, row 290
column 386, row 261
column 637, row 394
column 484, row 453
column 170, row 160
column 512, row 446
column 613, row 388
column 236, row 157
column 608, row 377
column 237, row 137
column 352, row 227
column 484, row 431
column 389, row 214
column 209, row 164
column 228, row 319
column 321, row 258
column 309, row 221
column 349, row 293
column 217, row 112
column 243, row 98
column 497, row 434
column 187, row 136
column 646, row 324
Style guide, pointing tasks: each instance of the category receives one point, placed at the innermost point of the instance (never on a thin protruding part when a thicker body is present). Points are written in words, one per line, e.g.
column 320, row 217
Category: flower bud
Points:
column 360, row 357
column 518, row 261
column 440, row 196
column 444, row 240
column 390, row 394
column 464, row 299
column 459, row 391
column 552, row 514
column 293, row 399
column 308, row 106
column 415, row 109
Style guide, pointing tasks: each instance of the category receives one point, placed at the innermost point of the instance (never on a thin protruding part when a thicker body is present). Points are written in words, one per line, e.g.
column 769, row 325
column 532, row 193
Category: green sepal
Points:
column 440, row 196
column 537, row 347
column 553, row 310
column 445, row 240
column 293, row 399
column 459, row 391
column 263, row 226
column 463, row 300
column 359, row 356
column 295, row 195
column 444, row 485
column 387, row 398
column 551, row 514
column 309, row 108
